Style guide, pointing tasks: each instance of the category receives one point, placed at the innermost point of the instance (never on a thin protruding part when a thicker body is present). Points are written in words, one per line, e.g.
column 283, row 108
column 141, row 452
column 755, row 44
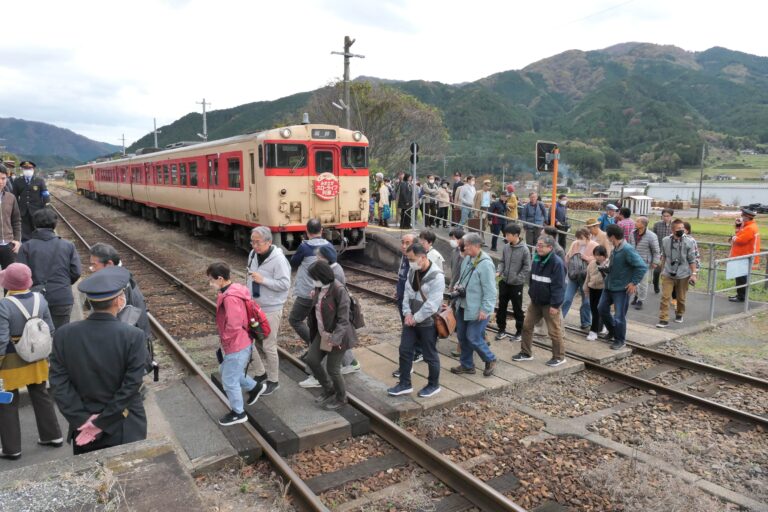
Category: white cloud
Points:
column 107, row 68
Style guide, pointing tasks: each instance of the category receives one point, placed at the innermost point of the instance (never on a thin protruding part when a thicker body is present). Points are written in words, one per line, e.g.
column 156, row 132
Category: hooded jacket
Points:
column 515, row 265
column 303, row 258
column 480, row 284
column 547, row 283
column 231, row 318
column 433, row 287
column 273, row 290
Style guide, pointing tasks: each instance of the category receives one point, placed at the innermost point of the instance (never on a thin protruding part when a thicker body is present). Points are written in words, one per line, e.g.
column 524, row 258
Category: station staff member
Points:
column 97, row 365
column 32, row 195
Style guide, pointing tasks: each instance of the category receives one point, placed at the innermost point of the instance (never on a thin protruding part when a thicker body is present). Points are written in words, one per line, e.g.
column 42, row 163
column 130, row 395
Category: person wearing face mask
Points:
column 18, row 373
column 561, row 219
column 457, row 255
column 236, row 346
column 423, row 298
column 32, row 195
column 678, row 263
column 332, row 335
column 55, row 265
column 430, row 189
column 497, row 214
column 745, row 241
column 97, row 368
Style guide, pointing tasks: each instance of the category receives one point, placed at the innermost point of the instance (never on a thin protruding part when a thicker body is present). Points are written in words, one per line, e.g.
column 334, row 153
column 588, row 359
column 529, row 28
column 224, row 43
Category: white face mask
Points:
column 431, row 181
column 317, row 284
column 563, row 203
column 414, row 265
column 454, row 243
column 28, row 173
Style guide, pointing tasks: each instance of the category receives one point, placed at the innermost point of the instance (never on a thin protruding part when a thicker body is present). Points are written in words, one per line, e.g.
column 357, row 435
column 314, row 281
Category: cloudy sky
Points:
column 104, row 69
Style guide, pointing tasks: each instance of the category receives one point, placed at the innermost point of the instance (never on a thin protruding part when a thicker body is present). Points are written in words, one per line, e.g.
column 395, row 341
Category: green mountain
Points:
column 637, row 99
column 48, row 145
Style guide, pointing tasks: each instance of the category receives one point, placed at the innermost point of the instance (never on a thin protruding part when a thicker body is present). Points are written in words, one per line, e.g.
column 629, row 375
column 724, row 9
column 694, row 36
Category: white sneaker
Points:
column 604, row 331
column 351, row 368
column 310, row 382
column 592, row 336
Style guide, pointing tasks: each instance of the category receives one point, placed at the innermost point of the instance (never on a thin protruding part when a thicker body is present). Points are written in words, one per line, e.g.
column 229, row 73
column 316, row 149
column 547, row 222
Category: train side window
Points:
column 183, row 174
column 166, row 179
column 233, row 172
column 193, row 174
column 354, row 157
column 158, row 175
column 323, row 162
column 174, row 174
column 261, row 157
column 253, row 170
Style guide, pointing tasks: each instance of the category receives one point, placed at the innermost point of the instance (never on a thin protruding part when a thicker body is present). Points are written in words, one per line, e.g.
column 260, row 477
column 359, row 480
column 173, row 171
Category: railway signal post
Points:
column 348, row 42
column 547, row 157
column 414, row 161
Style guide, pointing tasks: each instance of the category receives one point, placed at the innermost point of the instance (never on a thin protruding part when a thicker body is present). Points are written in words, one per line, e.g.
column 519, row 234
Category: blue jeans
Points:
column 465, row 212
column 570, row 292
column 423, row 338
column 233, row 377
column 470, row 334
column 616, row 325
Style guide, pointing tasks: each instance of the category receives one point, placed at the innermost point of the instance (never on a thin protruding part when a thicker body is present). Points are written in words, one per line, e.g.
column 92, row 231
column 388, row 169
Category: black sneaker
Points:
column 555, row 361
column 490, row 368
column 10, row 456
column 260, row 378
column 419, row 358
column 256, row 392
column 456, row 353
column 517, row 337
column 522, row 356
column 56, row 443
column 334, row 404
column 735, row 299
column 458, row 370
column 639, row 305
column 270, row 388
column 617, row 345
column 607, row 336
column 634, row 300
column 678, row 319
column 324, row 397
column 233, row 418
column 585, row 327
column 500, row 335
column 663, row 324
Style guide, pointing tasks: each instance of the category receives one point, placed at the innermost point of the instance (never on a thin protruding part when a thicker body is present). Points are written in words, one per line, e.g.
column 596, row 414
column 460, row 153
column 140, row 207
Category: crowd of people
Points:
column 97, row 365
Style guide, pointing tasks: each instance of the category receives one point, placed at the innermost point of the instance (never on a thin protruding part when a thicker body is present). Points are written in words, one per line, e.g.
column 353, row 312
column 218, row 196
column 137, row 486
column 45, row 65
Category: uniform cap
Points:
column 27, row 164
column 106, row 284
column 612, row 206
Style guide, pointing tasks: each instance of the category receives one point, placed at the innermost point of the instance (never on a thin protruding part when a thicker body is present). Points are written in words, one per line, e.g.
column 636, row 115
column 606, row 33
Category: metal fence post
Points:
column 749, row 278
column 711, row 282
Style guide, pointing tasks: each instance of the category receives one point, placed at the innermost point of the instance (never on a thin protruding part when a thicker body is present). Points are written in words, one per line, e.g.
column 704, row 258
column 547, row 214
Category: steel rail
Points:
column 632, row 380
column 473, row 489
column 640, row 349
column 307, row 500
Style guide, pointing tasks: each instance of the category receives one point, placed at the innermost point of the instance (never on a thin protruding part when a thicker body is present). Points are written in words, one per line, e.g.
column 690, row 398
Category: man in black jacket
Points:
column 97, row 366
column 32, row 195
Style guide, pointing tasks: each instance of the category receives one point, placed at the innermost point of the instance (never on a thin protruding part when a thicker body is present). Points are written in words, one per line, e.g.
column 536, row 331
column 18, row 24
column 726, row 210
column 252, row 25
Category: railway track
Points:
column 627, row 378
column 460, row 480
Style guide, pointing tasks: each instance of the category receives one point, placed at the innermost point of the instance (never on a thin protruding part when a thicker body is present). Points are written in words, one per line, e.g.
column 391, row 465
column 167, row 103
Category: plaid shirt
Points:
column 628, row 225
column 662, row 230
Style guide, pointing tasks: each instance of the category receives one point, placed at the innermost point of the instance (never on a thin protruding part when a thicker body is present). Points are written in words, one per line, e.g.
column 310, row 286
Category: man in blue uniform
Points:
column 32, row 195
column 97, row 365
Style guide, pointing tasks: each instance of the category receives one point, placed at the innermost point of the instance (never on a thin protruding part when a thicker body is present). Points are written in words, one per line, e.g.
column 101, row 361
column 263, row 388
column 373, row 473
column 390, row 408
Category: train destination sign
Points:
column 322, row 133
column 326, row 186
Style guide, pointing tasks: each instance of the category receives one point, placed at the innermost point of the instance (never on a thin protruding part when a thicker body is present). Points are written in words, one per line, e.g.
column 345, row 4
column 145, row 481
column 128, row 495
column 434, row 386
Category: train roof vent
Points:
column 305, row 118
column 146, row 151
column 182, row 143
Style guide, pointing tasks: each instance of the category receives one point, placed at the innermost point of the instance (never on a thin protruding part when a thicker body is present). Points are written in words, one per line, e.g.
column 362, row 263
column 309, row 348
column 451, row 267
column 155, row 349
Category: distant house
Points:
column 600, row 193
column 725, row 177
column 765, row 177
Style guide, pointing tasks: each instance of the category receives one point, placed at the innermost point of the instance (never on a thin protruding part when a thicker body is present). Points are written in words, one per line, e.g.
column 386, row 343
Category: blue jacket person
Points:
column 97, row 365
column 32, row 195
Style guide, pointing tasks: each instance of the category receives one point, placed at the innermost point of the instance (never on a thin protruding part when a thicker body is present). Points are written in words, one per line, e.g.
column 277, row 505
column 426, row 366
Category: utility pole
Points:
column 204, row 135
column 348, row 42
column 123, row 139
column 701, row 180
column 156, row 131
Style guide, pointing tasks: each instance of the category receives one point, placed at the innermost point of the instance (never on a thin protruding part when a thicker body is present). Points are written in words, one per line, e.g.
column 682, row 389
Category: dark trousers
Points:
column 562, row 238
column 496, row 230
column 417, row 352
column 510, row 293
column 45, row 417
column 656, row 276
column 456, row 215
column 26, row 226
column 594, row 302
column 741, row 293
column 298, row 317
column 442, row 215
column 425, row 339
column 616, row 324
column 60, row 314
column 405, row 218
column 7, row 256
column 329, row 375
column 531, row 235
column 430, row 214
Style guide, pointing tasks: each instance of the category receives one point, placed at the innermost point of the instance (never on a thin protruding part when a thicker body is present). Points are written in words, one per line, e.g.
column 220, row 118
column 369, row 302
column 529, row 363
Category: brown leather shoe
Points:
column 490, row 367
column 458, row 370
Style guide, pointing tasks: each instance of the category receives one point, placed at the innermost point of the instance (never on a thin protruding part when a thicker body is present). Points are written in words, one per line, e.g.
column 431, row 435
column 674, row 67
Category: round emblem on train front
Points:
column 326, row 186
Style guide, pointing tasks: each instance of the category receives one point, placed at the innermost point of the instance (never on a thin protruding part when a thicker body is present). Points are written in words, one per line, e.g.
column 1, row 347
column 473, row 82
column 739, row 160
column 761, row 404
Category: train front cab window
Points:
column 286, row 156
column 323, row 162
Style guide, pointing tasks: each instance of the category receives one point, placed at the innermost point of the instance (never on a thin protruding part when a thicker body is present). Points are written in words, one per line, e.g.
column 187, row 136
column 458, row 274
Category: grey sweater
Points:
column 273, row 291
column 433, row 286
column 515, row 265
column 647, row 246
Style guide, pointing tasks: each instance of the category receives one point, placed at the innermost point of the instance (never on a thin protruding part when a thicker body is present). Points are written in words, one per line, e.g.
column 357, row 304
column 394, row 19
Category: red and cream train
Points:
column 278, row 178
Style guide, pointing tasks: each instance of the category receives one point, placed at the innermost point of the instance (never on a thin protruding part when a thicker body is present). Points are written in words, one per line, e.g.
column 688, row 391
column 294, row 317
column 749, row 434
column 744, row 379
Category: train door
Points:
column 250, row 177
column 324, row 183
column 212, row 176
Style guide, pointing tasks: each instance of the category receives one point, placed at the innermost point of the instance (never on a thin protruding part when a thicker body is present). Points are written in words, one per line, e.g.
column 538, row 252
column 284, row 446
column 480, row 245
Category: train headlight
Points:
column 283, row 191
column 285, row 133
column 363, row 190
column 357, row 136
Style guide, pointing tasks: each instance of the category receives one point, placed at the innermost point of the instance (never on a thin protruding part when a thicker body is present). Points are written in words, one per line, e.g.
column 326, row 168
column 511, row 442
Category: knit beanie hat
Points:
column 16, row 276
